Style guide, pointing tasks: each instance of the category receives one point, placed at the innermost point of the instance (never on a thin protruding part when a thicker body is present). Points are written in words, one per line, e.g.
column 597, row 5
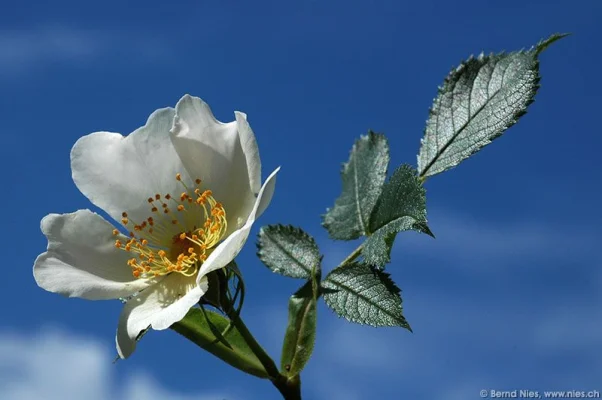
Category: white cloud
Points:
column 23, row 50
column 55, row 365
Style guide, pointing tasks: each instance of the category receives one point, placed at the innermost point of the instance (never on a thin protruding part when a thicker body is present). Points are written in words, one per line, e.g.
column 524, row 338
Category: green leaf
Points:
column 545, row 43
column 214, row 333
column 364, row 295
column 300, row 334
column 400, row 207
column 288, row 251
column 363, row 177
column 478, row 101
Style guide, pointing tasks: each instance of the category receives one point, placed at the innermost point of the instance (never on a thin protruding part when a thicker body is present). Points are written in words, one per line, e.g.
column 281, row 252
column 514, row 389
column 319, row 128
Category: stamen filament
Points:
column 171, row 241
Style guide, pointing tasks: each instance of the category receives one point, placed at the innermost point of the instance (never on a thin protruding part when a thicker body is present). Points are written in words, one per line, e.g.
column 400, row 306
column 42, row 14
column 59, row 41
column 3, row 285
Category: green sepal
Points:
column 300, row 335
column 214, row 333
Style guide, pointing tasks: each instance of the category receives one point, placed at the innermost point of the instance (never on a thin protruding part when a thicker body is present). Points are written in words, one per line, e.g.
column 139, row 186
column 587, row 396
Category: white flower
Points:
column 187, row 189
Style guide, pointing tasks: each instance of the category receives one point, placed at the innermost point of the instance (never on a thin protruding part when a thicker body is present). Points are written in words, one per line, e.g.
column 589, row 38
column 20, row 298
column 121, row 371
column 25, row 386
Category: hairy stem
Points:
column 261, row 354
column 289, row 388
column 351, row 257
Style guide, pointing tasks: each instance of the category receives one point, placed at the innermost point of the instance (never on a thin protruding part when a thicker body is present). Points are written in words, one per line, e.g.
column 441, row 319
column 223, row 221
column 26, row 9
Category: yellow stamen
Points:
column 173, row 242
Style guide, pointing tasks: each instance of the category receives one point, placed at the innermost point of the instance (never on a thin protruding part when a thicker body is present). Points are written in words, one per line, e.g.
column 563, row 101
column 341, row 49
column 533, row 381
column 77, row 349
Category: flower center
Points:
column 178, row 237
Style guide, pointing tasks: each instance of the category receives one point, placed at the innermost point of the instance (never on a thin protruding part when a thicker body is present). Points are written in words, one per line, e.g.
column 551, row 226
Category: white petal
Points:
column 82, row 260
column 159, row 306
column 231, row 246
column 212, row 151
column 264, row 199
column 120, row 173
column 249, row 147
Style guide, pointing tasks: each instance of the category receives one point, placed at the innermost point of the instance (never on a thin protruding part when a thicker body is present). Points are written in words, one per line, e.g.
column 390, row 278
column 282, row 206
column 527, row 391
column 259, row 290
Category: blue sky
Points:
column 508, row 295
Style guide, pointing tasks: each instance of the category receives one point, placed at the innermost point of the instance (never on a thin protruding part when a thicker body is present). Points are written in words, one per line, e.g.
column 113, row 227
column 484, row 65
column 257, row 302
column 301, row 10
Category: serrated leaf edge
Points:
column 370, row 137
column 280, row 228
column 396, row 292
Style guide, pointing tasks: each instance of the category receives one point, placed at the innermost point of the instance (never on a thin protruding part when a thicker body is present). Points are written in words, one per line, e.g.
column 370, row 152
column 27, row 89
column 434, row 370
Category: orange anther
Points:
column 178, row 177
column 198, row 181
column 168, row 196
column 180, row 207
column 115, row 232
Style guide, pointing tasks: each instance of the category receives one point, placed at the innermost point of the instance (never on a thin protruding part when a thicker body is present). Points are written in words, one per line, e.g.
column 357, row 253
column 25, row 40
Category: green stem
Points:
column 289, row 388
column 261, row 354
column 351, row 257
